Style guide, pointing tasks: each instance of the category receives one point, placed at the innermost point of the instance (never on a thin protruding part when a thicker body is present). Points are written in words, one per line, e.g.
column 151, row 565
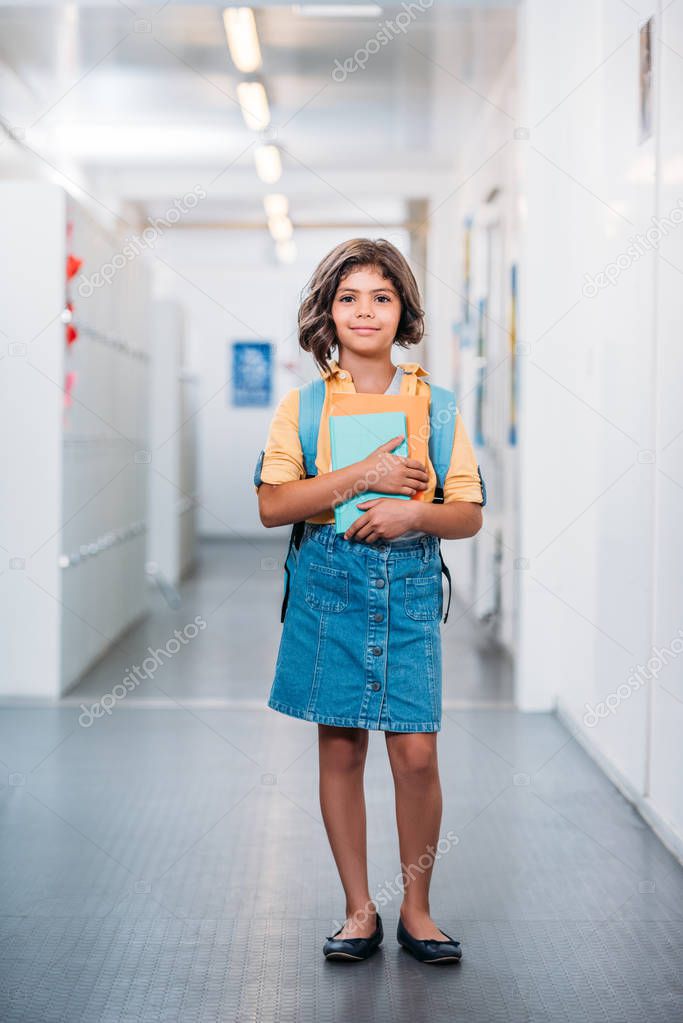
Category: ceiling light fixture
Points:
column 240, row 29
column 276, row 204
column 280, row 228
column 286, row 251
column 337, row 10
column 268, row 164
column 254, row 105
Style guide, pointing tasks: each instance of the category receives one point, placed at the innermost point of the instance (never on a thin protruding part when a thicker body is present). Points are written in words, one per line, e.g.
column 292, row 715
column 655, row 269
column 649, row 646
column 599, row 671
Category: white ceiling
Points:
column 135, row 94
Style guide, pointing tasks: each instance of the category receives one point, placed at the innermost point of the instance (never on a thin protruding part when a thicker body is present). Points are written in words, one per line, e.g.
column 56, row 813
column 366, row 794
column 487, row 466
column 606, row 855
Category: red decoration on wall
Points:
column 73, row 265
column 69, row 382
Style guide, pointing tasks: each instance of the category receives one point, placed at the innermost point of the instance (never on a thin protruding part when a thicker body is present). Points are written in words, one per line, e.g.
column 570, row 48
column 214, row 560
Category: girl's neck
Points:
column 369, row 376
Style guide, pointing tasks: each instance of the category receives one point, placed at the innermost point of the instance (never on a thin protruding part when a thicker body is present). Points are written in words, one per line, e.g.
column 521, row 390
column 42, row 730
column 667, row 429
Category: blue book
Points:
column 353, row 438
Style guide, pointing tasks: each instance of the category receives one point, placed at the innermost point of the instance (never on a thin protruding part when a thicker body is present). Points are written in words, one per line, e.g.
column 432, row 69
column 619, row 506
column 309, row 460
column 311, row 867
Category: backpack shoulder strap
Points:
column 311, row 400
column 442, row 414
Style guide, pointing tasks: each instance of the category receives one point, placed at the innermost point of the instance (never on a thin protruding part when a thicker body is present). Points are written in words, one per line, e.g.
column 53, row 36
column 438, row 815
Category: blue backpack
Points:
column 311, row 400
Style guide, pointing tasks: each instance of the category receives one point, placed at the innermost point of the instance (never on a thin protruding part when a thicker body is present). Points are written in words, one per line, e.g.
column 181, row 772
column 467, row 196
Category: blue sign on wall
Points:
column 252, row 372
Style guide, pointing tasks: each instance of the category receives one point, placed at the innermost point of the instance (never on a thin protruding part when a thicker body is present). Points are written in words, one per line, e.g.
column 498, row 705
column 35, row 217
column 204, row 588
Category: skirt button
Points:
column 378, row 617
column 377, row 650
column 375, row 686
column 379, row 583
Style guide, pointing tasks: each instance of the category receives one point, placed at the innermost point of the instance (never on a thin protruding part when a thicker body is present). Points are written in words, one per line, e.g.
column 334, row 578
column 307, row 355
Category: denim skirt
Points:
column 361, row 640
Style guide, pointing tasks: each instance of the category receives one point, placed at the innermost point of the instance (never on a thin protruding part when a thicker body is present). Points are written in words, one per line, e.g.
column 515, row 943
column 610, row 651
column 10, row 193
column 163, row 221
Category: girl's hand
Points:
column 393, row 474
column 384, row 520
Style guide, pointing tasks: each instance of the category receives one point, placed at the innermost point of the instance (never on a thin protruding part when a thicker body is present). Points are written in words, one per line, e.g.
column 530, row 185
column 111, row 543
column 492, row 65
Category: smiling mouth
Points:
column 364, row 328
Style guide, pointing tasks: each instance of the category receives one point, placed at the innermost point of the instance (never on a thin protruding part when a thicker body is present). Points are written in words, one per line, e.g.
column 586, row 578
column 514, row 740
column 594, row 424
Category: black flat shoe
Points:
column 429, row 950
column 353, row 948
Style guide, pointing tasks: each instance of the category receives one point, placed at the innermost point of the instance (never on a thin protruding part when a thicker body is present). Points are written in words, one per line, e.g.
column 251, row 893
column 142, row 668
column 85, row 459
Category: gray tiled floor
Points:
column 169, row 861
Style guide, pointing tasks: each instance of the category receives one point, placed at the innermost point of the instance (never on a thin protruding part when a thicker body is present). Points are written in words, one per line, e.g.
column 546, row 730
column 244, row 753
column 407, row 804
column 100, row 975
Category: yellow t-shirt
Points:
column 283, row 458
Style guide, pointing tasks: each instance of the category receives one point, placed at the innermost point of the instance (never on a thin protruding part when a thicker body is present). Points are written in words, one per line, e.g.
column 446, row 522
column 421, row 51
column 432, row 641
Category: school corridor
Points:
column 469, row 213
column 168, row 861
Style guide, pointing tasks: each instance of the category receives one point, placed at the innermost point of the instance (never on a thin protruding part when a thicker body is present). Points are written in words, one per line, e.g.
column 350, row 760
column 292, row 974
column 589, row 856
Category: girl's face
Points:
column 366, row 310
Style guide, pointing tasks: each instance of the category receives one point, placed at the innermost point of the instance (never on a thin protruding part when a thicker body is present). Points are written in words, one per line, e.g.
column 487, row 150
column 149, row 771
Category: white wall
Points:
column 105, row 441
column 165, row 439
column 74, row 506
column 189, row 405
column 601, row 483
column 665, row 766
column 171, row 550
column 562, row 338
column 485, row 188
column 31, row 374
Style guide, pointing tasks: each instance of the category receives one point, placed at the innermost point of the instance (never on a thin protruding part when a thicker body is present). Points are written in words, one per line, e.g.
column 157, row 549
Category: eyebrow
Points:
column 355, row 290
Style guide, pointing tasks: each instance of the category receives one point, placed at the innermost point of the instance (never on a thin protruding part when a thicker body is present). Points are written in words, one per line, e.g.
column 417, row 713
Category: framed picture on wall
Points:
column 645, row 80
column 514, row 367
column 251, row 372
column 467, row 270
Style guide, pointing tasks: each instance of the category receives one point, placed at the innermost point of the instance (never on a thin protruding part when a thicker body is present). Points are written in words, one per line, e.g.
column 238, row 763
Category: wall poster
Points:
column 251, row 373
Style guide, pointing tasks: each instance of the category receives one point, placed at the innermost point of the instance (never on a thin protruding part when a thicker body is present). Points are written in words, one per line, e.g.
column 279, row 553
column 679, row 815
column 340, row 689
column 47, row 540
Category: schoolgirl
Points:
column 361, row 645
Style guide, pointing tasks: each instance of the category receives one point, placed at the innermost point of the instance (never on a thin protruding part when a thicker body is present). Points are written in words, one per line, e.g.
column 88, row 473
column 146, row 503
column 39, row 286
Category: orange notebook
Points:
column 416, row 408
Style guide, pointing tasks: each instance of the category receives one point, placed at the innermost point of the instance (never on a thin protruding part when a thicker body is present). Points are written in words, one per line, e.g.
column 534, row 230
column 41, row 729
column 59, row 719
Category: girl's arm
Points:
column 382, row 471
column 458, row 517
column 283, row 503
column 453, row 521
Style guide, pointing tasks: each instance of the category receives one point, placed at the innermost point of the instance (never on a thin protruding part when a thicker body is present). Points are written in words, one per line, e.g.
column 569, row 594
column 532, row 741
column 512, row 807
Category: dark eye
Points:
column 344, row 297
column 385, row 298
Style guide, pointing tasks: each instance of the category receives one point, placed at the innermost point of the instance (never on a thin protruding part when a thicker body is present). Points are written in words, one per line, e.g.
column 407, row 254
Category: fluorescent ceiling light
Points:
column 268, row 164
column 337, row 10
column 280, row 228
column 276, row 204
column 286, row 251
column 254, row 105
column 240, row 29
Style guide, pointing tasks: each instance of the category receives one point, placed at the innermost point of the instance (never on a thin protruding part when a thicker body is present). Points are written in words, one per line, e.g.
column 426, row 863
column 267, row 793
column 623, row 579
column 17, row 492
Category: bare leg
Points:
column 342, row 753
column 414, row 766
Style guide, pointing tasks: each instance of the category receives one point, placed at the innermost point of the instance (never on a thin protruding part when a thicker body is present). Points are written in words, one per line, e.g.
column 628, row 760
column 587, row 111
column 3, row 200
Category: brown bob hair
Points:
column 316, row 327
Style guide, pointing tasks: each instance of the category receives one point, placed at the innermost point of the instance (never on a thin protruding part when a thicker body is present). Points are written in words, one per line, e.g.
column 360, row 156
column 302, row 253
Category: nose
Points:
column 365, row 310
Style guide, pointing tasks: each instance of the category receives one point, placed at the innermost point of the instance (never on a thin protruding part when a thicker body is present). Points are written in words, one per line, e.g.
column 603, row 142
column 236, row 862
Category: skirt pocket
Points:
column 327, row 589
column 423, row 597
